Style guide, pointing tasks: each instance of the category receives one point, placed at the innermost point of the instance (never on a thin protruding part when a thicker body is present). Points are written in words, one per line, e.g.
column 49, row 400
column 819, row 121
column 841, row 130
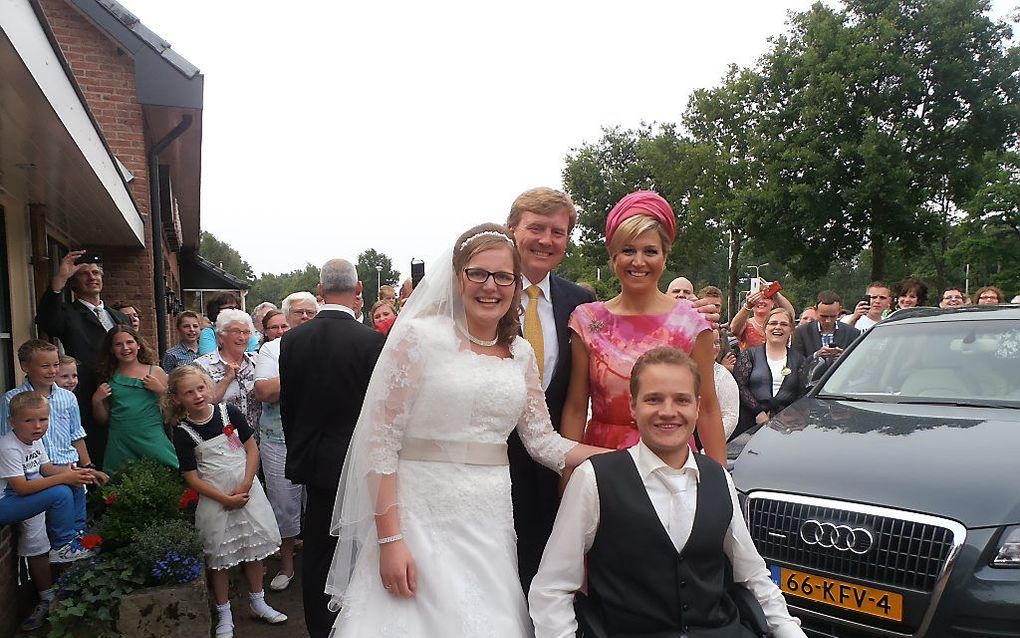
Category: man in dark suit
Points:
column 325, row 366
column 81, row 327
column 827, row 337
column 541, row 220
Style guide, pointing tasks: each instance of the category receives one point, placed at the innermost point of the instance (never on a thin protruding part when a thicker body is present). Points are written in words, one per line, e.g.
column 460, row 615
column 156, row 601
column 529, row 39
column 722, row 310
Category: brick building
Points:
column 100, row 148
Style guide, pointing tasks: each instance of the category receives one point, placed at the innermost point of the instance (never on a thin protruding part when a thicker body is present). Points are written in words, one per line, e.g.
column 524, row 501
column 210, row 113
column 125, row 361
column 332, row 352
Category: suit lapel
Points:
column 87, row 315
column 561, row 315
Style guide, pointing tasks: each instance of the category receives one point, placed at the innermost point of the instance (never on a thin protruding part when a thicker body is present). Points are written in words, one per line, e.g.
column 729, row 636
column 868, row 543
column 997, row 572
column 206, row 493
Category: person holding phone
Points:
column 871, row 308
column 827, row 337
column 749, row 322
column 81, row 325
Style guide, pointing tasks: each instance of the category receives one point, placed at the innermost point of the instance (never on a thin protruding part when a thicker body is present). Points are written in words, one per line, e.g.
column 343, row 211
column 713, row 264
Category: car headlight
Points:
column 1009, row 548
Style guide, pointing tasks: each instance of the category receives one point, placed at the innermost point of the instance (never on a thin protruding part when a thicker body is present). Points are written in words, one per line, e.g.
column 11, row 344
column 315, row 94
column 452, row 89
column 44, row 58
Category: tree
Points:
column 225, row 256
column 371, row 276
column 273, row 288
column 877, row 117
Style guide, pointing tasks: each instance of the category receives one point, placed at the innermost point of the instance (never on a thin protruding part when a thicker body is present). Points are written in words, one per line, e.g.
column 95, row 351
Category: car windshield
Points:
column 968, row 362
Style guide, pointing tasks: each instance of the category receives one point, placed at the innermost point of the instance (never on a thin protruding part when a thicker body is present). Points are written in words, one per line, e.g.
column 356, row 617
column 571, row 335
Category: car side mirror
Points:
column 818, row 369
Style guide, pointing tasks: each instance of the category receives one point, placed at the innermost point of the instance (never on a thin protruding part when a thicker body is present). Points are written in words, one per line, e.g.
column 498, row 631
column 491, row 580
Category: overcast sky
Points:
column 332, row 127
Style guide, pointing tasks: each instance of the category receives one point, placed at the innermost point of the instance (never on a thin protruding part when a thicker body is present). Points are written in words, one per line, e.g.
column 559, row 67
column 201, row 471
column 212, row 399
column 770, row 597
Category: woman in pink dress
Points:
column 607, row 338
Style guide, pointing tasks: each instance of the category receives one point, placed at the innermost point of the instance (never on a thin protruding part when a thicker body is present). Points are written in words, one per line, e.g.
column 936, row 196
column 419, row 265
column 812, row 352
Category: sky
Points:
column 333, row 127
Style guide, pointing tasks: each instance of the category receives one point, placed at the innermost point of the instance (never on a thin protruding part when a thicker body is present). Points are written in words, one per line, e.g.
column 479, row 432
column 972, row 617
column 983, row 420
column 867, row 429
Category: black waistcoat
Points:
column 636, row 578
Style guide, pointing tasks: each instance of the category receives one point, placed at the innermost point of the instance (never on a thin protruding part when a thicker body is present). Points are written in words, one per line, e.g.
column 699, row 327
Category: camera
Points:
column 417, row 272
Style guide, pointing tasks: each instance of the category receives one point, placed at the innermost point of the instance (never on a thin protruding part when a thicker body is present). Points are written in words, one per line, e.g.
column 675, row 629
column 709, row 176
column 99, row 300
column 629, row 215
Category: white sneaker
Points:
column 70, row 552
column 280, row 582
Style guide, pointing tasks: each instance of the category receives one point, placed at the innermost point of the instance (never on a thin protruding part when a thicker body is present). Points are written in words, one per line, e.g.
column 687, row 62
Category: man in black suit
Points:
column 827, row 337
column 81, row 327
column 541, row 220
column 325, row 366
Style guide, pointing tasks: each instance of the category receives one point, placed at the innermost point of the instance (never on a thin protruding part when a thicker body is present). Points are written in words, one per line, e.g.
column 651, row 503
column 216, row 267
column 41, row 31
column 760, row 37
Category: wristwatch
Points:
column 90, row 466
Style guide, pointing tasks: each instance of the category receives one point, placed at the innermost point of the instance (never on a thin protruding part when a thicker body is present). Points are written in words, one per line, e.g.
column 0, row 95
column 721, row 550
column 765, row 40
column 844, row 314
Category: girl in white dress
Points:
column 424, row 516
column 219, row 458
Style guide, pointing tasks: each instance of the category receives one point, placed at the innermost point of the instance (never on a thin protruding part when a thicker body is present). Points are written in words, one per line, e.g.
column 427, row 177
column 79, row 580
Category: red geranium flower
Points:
column 111, row 498
column 91, row 541
column 228, row 430
column 187, row 498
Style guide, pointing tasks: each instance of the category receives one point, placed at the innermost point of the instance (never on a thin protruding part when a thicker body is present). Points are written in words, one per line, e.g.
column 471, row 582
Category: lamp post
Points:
column 378, row 281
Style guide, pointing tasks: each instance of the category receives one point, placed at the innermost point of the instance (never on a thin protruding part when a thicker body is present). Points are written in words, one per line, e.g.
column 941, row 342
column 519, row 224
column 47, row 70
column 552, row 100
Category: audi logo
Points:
column 842, row 538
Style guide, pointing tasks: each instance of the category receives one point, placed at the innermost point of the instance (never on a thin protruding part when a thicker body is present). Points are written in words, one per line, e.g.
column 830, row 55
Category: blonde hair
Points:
column 542, row 201
column 173, row 411
column 632, row 228
column 776, row 311
column 27, row 401
column 486, row 237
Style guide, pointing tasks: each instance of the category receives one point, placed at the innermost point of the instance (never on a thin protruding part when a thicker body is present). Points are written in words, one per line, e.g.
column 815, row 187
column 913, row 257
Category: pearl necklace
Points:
column 480, row 342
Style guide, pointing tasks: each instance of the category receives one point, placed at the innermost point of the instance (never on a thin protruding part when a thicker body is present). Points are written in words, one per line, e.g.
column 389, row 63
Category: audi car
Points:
column 886, row 502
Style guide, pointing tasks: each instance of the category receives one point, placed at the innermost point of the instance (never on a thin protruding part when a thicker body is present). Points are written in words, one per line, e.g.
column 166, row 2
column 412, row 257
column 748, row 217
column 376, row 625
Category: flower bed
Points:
column 146, row 573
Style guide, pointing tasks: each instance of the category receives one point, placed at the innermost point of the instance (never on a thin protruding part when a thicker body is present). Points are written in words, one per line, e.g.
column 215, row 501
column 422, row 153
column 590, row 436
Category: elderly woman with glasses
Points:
column 208, row 338
column 769, row 376
column 231, row 367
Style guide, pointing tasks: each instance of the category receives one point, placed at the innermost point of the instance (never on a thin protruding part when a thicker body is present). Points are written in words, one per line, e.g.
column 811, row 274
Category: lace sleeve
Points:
column 401, row 375
column 742, row 373
column 542, row 442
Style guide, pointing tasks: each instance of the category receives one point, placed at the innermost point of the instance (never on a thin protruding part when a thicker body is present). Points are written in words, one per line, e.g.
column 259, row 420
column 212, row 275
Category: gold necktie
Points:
column 533, row 326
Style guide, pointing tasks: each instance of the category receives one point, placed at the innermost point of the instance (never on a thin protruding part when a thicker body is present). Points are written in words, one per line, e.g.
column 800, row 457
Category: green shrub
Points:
column 88, row 595
column 143, row 493
column 166, row 553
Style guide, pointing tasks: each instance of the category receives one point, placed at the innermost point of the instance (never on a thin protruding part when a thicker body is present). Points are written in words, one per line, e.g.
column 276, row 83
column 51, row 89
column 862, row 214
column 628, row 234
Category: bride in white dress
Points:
column 424, row 517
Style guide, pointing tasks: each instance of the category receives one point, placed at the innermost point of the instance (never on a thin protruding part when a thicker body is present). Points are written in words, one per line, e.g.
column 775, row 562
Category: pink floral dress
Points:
column 614, row 343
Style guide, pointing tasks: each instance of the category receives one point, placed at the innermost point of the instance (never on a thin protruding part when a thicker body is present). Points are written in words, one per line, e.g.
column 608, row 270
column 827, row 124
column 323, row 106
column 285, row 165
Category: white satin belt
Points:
column 465, row 452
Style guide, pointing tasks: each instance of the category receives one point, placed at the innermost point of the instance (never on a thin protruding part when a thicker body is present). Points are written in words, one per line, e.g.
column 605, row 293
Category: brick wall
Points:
column 8, row 581
column 106, row 76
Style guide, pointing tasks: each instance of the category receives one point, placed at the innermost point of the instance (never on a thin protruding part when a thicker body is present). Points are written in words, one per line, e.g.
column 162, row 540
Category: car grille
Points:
column 906, row 553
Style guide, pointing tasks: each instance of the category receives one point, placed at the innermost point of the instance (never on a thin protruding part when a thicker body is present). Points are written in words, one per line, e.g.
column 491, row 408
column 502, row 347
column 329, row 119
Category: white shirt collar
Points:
column 101, row 306
column 649, row 462
column 339, row 307
column 543, row 285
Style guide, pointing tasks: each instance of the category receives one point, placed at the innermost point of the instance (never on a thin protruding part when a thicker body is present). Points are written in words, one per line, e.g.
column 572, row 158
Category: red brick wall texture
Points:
column 106, row 76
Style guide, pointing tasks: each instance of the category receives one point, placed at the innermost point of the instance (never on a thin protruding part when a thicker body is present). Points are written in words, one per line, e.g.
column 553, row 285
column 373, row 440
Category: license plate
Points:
column 829, row 591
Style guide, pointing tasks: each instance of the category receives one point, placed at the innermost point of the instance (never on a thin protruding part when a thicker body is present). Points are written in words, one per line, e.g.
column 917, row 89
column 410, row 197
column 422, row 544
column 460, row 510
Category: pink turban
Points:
column 641, row 203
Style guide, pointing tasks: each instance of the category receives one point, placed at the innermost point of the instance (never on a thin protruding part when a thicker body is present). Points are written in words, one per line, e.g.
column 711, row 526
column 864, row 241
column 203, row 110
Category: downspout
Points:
column 156, row 216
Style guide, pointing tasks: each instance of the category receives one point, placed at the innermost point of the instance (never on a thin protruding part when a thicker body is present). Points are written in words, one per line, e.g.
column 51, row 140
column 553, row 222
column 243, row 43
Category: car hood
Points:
column 955, row 462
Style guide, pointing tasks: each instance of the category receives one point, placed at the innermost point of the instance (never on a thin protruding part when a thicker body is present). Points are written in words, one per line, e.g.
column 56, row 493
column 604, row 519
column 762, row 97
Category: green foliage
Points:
column 143, row 493
column 373, row 278
column 225, row 256
column 870, row 142
column 88, row 595
column 274, row 288
column 167, row 552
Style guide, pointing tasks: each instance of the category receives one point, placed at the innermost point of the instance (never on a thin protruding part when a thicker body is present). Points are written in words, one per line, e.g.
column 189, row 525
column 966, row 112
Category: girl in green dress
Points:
column 128, row 401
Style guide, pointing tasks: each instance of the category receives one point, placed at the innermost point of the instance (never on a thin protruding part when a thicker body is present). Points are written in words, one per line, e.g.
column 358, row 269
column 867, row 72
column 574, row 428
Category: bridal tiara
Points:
column 486, row 233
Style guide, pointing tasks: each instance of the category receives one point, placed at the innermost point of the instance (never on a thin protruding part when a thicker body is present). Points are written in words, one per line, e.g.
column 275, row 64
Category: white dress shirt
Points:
column 337, row 306
column 728, row 394
column 101, row 313
column 550, row 343
column 674, row 495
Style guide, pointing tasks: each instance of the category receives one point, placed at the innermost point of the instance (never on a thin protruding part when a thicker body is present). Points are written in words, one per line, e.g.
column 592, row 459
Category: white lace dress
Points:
column 456, row 518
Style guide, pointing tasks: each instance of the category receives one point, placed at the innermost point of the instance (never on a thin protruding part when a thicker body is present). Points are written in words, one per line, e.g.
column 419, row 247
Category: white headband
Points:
column 485, row 233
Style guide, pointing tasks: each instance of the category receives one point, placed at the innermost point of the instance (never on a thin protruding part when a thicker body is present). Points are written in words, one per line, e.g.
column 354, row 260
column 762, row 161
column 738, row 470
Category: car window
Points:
column 948, row 361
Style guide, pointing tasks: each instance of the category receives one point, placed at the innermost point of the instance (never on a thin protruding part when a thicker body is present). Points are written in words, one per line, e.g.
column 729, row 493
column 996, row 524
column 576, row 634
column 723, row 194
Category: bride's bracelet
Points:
column 391, row 539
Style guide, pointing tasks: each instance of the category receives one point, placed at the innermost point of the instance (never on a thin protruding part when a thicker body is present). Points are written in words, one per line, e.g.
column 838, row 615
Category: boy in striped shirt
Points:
column 65, row 439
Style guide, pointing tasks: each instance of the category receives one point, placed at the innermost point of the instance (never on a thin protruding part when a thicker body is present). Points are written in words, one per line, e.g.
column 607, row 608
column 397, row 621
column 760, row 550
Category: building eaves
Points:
column 149, row 37
column 208, row 266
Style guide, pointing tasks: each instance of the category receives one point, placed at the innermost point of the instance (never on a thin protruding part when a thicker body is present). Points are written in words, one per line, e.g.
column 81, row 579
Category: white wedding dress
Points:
column 456, row 517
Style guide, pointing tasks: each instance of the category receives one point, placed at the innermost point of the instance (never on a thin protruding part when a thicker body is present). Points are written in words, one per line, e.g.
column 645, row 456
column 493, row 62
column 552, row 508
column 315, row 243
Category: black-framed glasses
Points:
column 481, row 275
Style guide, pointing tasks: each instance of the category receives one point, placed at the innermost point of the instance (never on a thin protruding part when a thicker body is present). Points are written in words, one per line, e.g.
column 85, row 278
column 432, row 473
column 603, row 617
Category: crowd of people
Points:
column 463, row 459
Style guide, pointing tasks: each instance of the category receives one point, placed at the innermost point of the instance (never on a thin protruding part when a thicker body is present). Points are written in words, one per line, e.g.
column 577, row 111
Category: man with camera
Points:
column 81, row 326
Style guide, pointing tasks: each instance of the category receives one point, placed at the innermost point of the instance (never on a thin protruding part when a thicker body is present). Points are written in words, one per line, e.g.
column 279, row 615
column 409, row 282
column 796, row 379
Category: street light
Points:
column 378, row 281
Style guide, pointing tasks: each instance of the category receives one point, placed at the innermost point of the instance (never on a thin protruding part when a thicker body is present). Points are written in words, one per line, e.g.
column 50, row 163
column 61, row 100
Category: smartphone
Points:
column 755, row 285
column 417, row 272
column 865, row 299
column 89, row 257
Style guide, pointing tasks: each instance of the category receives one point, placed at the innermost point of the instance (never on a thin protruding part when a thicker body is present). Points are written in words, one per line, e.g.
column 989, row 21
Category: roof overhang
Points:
column 198, row 273
column 168, row 87
column 51, row 150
